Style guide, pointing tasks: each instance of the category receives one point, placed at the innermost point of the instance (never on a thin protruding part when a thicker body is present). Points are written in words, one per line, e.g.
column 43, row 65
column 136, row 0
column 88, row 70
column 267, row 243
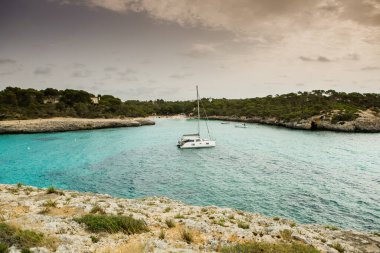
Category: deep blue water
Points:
column 311, row 177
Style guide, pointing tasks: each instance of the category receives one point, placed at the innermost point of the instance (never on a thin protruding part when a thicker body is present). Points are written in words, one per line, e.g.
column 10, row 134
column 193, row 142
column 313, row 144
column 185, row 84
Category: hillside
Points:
column 329, row 110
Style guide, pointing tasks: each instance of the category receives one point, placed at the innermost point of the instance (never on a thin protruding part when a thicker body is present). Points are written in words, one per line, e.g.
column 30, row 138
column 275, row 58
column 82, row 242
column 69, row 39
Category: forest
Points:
column 18, row 103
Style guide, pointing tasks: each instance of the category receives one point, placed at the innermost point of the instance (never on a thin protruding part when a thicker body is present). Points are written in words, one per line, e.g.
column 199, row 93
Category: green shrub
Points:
column 51, row 190
column 331, row 227
column 170, row 223
column 167, row 210
column 4, row 248
column 97, row 209
column 94, row 239
column 50, row 203
column 264, row 247
column 344, row 116
column 19, row 185
column 162, row 234
column 338, row 247
column 25, row 250
column 187, row 235
column 179, row 216
column 243, row 225
column 112, row 224
column 10, row 235
column 286, row 234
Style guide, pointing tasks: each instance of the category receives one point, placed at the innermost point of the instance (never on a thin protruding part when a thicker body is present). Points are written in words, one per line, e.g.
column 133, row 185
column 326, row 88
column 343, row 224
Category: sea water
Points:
column 310, row 177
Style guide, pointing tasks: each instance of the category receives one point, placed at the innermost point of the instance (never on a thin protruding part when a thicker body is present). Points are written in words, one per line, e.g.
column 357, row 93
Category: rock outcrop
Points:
column 67, row 124
column 53, row 213
column 366, row 122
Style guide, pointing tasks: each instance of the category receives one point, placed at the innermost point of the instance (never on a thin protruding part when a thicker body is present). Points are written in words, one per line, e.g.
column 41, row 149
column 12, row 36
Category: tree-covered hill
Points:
column 17, row 103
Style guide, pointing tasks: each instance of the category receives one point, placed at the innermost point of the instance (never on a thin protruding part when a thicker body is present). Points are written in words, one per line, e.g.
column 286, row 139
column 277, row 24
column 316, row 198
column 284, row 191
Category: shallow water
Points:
column 311, row 177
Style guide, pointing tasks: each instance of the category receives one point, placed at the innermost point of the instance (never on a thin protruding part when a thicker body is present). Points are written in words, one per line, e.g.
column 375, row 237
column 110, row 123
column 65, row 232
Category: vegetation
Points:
column 187, row 235
column 243, row 225
column 162, row 234
column 112, row 224
column 97, row 209
column 17, row 103
column 338, row 247
column 330, row 227
column 50, row 203
column 170, row 223
column 10, row 235
column 4, row 248
column 264, row 247
column 286, row 234
column 51, row 190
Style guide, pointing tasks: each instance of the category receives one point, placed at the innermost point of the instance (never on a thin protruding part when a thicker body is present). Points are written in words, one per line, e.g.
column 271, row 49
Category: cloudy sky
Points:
column 147, row 49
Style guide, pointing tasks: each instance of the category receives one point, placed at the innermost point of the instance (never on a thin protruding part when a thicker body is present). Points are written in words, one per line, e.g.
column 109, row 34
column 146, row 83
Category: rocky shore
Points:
column 367, row 122
column 50, row 220
column 67, row 124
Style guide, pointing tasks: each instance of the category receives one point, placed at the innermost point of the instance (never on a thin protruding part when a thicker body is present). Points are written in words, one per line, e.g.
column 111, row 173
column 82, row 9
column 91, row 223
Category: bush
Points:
column 170, row 223
column 4, row 248
column 264, row 247
column 338, row 247
column 50, row 203
column 97, row 209
column 286, row 234
column 243, row 225
column 51, row 190
column 10, row 235
column 112, row 224
column 162, row 234
column 187, row 236
column 345, row 116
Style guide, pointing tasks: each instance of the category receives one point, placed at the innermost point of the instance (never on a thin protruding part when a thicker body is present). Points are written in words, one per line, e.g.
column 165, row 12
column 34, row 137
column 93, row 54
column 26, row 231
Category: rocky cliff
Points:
column 367, row 121
column 50, row 220
column 67, row 124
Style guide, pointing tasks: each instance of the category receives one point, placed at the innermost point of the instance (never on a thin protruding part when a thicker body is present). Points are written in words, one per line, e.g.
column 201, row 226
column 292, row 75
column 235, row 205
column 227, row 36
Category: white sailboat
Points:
column 195, row 140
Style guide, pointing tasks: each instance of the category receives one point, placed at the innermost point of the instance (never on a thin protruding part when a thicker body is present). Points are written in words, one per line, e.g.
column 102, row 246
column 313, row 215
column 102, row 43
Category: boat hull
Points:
column 200, row 144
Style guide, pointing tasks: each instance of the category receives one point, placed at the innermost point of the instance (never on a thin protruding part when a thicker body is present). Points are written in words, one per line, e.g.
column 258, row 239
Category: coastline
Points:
column 67, row 124
column 367, row 122
column 54, row 213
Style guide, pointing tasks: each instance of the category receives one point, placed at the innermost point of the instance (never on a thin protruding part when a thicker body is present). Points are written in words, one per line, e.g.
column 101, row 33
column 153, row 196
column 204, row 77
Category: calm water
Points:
column 311, row 177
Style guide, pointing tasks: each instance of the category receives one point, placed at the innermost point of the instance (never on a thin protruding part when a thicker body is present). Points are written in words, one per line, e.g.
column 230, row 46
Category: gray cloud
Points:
column 7, row 61
column 370, row 68
column 180, row 76
column 81, row 73
column 110, row 69
column 317, row 59
column 126, row 72
column 199, row 50
column 42, row 71
column 352, row 57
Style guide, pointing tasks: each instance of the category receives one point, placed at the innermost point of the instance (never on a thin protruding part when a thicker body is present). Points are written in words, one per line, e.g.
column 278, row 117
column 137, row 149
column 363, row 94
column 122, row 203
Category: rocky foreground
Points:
column 367, row 122
column 67, row 124
column 47, row 220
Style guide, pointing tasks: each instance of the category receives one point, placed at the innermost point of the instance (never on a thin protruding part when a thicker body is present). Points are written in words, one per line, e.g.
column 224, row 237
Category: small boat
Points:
column 223, row 123
column 243, row 125
column 195, row 140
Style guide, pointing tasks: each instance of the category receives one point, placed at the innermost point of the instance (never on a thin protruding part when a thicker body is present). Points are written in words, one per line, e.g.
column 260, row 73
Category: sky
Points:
column 150, row 49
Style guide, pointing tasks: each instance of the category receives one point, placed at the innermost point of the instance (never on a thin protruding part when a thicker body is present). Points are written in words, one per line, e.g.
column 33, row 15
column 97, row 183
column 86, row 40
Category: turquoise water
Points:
column 311, row 177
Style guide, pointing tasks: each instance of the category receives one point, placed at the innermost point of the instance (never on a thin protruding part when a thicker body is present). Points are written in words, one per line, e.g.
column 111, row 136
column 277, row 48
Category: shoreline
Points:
column 52, row 125
column 54, row 213
column 367, row 122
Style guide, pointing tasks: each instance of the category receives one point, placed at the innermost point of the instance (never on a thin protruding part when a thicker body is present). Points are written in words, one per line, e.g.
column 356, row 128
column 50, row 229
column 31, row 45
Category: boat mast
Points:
column 199, row 132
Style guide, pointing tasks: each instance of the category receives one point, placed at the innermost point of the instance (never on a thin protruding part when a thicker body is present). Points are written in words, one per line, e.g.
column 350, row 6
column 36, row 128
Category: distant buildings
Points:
column 51, row 100
column 95, row 100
